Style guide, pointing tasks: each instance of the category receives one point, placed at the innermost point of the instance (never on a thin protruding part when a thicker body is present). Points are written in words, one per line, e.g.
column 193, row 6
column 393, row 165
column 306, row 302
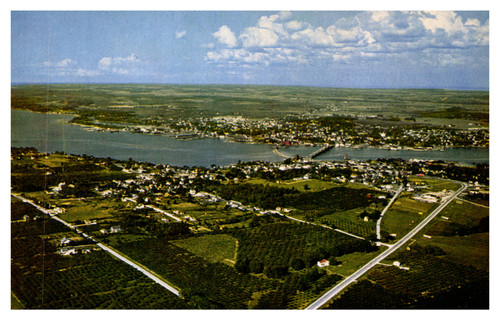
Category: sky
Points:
column 360, row 49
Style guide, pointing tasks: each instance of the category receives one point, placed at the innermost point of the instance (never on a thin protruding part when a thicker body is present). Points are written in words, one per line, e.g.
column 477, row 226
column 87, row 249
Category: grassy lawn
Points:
column 412, row 205
column 186, row 206
column 404, row 215
column 214, row 248
column 400, row 222
column 312, row 184
column 464, row 212
column 435, row 185
column 88, row 210
column 352, row 262
column 54, row 160
column 115, row 239
column 38, row 195
column 472, row 249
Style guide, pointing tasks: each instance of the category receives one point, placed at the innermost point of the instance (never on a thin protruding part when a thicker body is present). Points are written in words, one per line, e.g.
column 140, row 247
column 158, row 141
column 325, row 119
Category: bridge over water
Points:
column 316, row 153
column 324, row 149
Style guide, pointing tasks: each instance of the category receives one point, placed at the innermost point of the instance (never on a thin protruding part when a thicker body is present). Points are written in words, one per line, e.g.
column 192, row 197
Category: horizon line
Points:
column 19, row 83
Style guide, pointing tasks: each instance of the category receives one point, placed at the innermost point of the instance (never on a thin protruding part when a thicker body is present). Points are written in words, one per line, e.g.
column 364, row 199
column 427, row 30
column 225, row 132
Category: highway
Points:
column 347, row 281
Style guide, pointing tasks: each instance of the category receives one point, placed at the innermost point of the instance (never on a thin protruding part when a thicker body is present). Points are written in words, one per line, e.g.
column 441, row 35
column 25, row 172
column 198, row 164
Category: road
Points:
column 386, row 208
column 163, row 212
column 139, row 268
column 113, row 252
column 347, row 281
column 322, row 225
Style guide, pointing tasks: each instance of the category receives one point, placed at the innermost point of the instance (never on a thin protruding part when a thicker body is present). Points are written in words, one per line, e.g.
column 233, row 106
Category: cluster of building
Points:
column 153, row 183
column 284, row 131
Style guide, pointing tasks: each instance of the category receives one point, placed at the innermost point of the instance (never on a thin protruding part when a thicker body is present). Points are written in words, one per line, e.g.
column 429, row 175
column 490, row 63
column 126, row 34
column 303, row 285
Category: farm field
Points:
column 149, row 101
column 350, row 221
column 88, row 210
column 216, row 112
column 250, row 160
column 227, row 243
column 448, row 268
column 405, row 214
column 214, row 248
column 434, row 185
column 47, row 280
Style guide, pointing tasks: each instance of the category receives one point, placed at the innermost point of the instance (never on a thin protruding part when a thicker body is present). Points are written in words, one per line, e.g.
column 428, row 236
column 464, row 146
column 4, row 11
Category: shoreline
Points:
column 196, row 136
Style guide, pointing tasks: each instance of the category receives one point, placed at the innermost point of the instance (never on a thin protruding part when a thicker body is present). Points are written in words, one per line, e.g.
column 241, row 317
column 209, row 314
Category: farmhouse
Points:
column 115, row 229
column 66, row 241
column 323, row 263
column 67, row 251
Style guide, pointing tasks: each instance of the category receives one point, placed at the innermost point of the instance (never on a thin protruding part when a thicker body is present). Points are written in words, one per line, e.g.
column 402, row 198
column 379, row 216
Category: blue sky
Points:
column 379, row 49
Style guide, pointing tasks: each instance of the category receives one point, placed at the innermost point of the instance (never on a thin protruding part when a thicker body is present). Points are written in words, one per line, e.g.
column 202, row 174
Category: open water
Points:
column 52, row 132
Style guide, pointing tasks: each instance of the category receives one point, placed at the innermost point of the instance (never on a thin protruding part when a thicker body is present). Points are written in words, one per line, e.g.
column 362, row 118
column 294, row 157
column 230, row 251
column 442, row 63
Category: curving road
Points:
column 347, row 281
column 386, row 208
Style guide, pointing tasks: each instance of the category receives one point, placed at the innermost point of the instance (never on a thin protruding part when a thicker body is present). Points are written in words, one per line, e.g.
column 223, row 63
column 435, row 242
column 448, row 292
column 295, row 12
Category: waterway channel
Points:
column 52, row 132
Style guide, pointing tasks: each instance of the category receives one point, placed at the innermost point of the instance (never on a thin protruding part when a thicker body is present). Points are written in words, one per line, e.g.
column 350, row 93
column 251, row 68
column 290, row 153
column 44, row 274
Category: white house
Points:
column 115, row 229
column 67, row 251
column 65, row 241
column 323, row 263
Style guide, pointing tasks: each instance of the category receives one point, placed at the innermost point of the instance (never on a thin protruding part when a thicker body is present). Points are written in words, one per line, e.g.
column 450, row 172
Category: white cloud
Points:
column 225, row 36
column 367, row 36
column 448, row 21
column 247, row 57
column 285, row 15
column 259, row 37
column 119, row 65
column 105, row 63
column 379, row 15
column 295, row 25
column 473, row 22
column 313, row 37
column 86, row 73
column 60, row 64
column 180, row 34
column 271, row 24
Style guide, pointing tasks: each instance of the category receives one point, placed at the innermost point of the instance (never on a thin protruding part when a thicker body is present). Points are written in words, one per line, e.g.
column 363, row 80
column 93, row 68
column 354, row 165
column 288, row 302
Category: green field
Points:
column 411, row 205
column 435, row 185
column 446, row 270
column 301, row 185
column 154, row 103
column 351, row 262
column 89, row 210
column 461, row 236
column 223, row 257
column 471, row 250
column 350, row 221
column 214, row 248
column 43, row 279
column 464, row 212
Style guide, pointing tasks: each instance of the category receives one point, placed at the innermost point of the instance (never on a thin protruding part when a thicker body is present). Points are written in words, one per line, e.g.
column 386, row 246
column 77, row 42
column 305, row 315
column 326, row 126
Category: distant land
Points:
column 280, row 115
